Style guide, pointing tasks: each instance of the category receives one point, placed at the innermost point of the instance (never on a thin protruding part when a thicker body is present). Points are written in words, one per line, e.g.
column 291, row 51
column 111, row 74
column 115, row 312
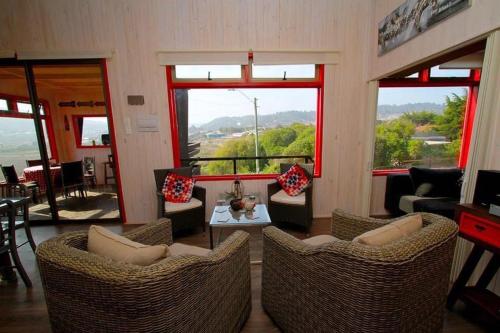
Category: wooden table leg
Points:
column 489, row 272
column 465, row 273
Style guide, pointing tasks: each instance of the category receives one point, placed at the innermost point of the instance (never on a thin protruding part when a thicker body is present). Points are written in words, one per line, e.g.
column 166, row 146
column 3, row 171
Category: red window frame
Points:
column 246, row 81
column 12, row 101
column 425, row 80
column 76, row 130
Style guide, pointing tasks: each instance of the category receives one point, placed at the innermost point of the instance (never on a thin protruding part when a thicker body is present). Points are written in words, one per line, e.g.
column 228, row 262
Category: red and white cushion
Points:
column 294, row 181
column 177, row 188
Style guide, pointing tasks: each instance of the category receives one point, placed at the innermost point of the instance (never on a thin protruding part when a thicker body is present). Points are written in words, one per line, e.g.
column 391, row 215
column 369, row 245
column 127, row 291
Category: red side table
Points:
column 483, row 229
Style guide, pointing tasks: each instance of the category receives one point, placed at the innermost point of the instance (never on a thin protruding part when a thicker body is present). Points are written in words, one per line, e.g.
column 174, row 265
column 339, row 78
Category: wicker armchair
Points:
column 296, row 214
column 347, row 287
column 89, row 293
column 185, row 219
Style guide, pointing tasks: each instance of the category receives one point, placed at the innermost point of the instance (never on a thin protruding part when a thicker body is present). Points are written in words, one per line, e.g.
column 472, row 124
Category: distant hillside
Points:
column 266, row 120
column 386, row 111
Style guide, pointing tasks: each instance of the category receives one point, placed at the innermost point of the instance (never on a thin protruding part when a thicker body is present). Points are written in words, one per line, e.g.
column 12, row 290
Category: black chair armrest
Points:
column 272, row 189
column 160, row 199
column 200, row 193
column 397, row 185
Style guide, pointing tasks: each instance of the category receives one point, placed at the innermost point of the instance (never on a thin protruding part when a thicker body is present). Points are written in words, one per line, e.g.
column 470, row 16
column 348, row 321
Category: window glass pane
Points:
column 4, row 106
column 414, row 75
column 221, row 123
column 18, row 143
column 437, row 72
column 278, row 71
column 24, row 107
column 201, row 71
column 419, row 127
column 93, row 129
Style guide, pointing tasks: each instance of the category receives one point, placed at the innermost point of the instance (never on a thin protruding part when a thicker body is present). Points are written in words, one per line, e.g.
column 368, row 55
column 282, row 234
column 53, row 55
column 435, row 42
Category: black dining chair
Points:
column 32, row 163
column 8, row 239
column 17, row 186
column 73, row 179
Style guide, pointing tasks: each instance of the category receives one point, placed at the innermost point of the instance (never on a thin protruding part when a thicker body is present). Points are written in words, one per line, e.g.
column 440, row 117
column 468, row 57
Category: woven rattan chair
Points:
column 184, row 219
column 348, row 287
column 301, row 215
column 89, row 293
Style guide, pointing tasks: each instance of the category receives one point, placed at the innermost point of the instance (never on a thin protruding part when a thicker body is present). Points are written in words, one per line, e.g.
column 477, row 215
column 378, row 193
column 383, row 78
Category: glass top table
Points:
column 225, row 217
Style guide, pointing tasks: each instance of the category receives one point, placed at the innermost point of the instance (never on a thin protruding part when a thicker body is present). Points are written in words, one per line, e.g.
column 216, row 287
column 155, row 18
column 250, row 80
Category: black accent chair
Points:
column 32, row 163
column 17, row 186
column 72, row 178
column 184, row 219
column 301, row 215
column 434, row 191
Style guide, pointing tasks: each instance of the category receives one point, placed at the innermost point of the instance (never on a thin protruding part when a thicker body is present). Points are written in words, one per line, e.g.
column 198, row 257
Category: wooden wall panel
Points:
column 136, row 30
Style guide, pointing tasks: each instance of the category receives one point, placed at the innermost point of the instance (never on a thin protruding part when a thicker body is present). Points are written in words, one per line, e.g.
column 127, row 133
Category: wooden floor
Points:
column 24, row 310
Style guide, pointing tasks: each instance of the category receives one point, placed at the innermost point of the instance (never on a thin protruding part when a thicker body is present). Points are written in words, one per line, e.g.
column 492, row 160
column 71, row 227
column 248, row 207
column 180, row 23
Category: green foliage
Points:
column 420, row 118
column 296, row 139
column 397, row 143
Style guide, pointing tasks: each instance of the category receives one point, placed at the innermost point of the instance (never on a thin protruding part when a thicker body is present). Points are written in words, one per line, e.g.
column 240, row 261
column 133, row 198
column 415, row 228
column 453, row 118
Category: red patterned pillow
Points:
column 294, row 181
column 177, row 188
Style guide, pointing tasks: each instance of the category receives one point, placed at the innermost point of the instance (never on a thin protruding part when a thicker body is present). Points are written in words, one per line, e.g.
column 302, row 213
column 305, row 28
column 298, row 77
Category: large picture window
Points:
column 425, row 123
column 248, row 128
column 18, row 140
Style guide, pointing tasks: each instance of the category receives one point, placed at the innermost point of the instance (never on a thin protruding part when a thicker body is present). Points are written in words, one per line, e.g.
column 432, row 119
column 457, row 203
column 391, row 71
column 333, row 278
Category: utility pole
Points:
column 257, row 162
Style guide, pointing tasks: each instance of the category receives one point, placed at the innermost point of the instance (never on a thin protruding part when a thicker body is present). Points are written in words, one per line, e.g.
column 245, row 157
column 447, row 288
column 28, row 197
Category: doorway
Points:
column 71, row 164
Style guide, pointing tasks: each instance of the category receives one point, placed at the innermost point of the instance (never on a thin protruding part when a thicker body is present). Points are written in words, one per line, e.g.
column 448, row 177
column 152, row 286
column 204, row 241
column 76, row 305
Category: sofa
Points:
column 344, row 286
column 424, row 190
column 86, row 292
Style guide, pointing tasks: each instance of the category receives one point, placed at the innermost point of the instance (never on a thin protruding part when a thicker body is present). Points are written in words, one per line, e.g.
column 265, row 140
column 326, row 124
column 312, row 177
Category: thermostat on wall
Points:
column 147, row 123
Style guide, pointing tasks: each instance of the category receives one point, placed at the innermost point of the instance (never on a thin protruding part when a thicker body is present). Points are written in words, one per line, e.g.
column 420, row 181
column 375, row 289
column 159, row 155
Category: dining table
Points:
column 35, row 174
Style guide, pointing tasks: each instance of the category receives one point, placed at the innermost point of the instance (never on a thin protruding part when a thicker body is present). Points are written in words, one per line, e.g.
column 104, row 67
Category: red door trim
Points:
column 114, row 148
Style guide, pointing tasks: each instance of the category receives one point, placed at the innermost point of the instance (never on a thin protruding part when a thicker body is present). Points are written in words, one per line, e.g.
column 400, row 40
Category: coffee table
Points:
column 225, row 217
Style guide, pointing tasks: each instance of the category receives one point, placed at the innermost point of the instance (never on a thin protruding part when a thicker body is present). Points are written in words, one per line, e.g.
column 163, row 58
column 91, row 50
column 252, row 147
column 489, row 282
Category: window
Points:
column 419, row 127
column 18, row 140
column 424, row 123
column 284, row 71
column 91, row 131
column 438, row 72
column 247, row 128
column 207, row 72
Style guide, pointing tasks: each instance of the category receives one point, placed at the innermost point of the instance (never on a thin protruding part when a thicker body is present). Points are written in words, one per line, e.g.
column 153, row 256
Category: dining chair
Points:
column 72, row 178
column 31, row 163
column 17, row 185
column 89, row 171
column 8, row 239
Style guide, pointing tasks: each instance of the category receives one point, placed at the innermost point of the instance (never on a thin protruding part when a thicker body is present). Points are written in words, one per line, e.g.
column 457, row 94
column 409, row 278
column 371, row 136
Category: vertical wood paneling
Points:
column 135, row 30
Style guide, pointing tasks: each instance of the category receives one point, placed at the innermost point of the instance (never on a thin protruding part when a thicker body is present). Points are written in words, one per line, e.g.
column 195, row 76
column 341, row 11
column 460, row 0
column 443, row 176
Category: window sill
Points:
column 379, row 173
column 240, row 177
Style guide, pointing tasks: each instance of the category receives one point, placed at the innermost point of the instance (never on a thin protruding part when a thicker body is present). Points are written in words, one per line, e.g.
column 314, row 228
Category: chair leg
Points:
column 27, row 228
column 15, row 256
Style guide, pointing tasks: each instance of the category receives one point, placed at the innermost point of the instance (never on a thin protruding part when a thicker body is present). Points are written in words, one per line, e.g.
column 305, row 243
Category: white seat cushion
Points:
column 179, row 249
column 108, row 244
column 174, row 207
column 391, row 232
column 319, row 240
column 282, row 197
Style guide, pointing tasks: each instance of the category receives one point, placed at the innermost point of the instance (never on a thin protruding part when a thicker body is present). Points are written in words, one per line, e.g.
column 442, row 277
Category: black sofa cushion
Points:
column 444, row 207
column 445, row 182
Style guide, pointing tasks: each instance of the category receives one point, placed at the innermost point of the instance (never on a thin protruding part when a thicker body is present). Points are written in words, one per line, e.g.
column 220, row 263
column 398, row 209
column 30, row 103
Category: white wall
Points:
column 135, row 30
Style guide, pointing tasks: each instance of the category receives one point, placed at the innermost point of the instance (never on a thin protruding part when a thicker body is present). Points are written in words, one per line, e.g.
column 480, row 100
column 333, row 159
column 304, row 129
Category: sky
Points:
column 208, row 104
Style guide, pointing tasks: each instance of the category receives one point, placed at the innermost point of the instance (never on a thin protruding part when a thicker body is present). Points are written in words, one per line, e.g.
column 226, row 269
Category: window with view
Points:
column 91, row 131
column 419, row 126
column 226, row 129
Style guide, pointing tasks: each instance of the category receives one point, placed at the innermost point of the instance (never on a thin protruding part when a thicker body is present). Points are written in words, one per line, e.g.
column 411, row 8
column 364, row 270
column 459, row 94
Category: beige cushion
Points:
column 319, row 240
column 391, row 232
column 179, row 249
column 282, row 197
column 174, row 207
column 108, row 244
column 409, row 224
